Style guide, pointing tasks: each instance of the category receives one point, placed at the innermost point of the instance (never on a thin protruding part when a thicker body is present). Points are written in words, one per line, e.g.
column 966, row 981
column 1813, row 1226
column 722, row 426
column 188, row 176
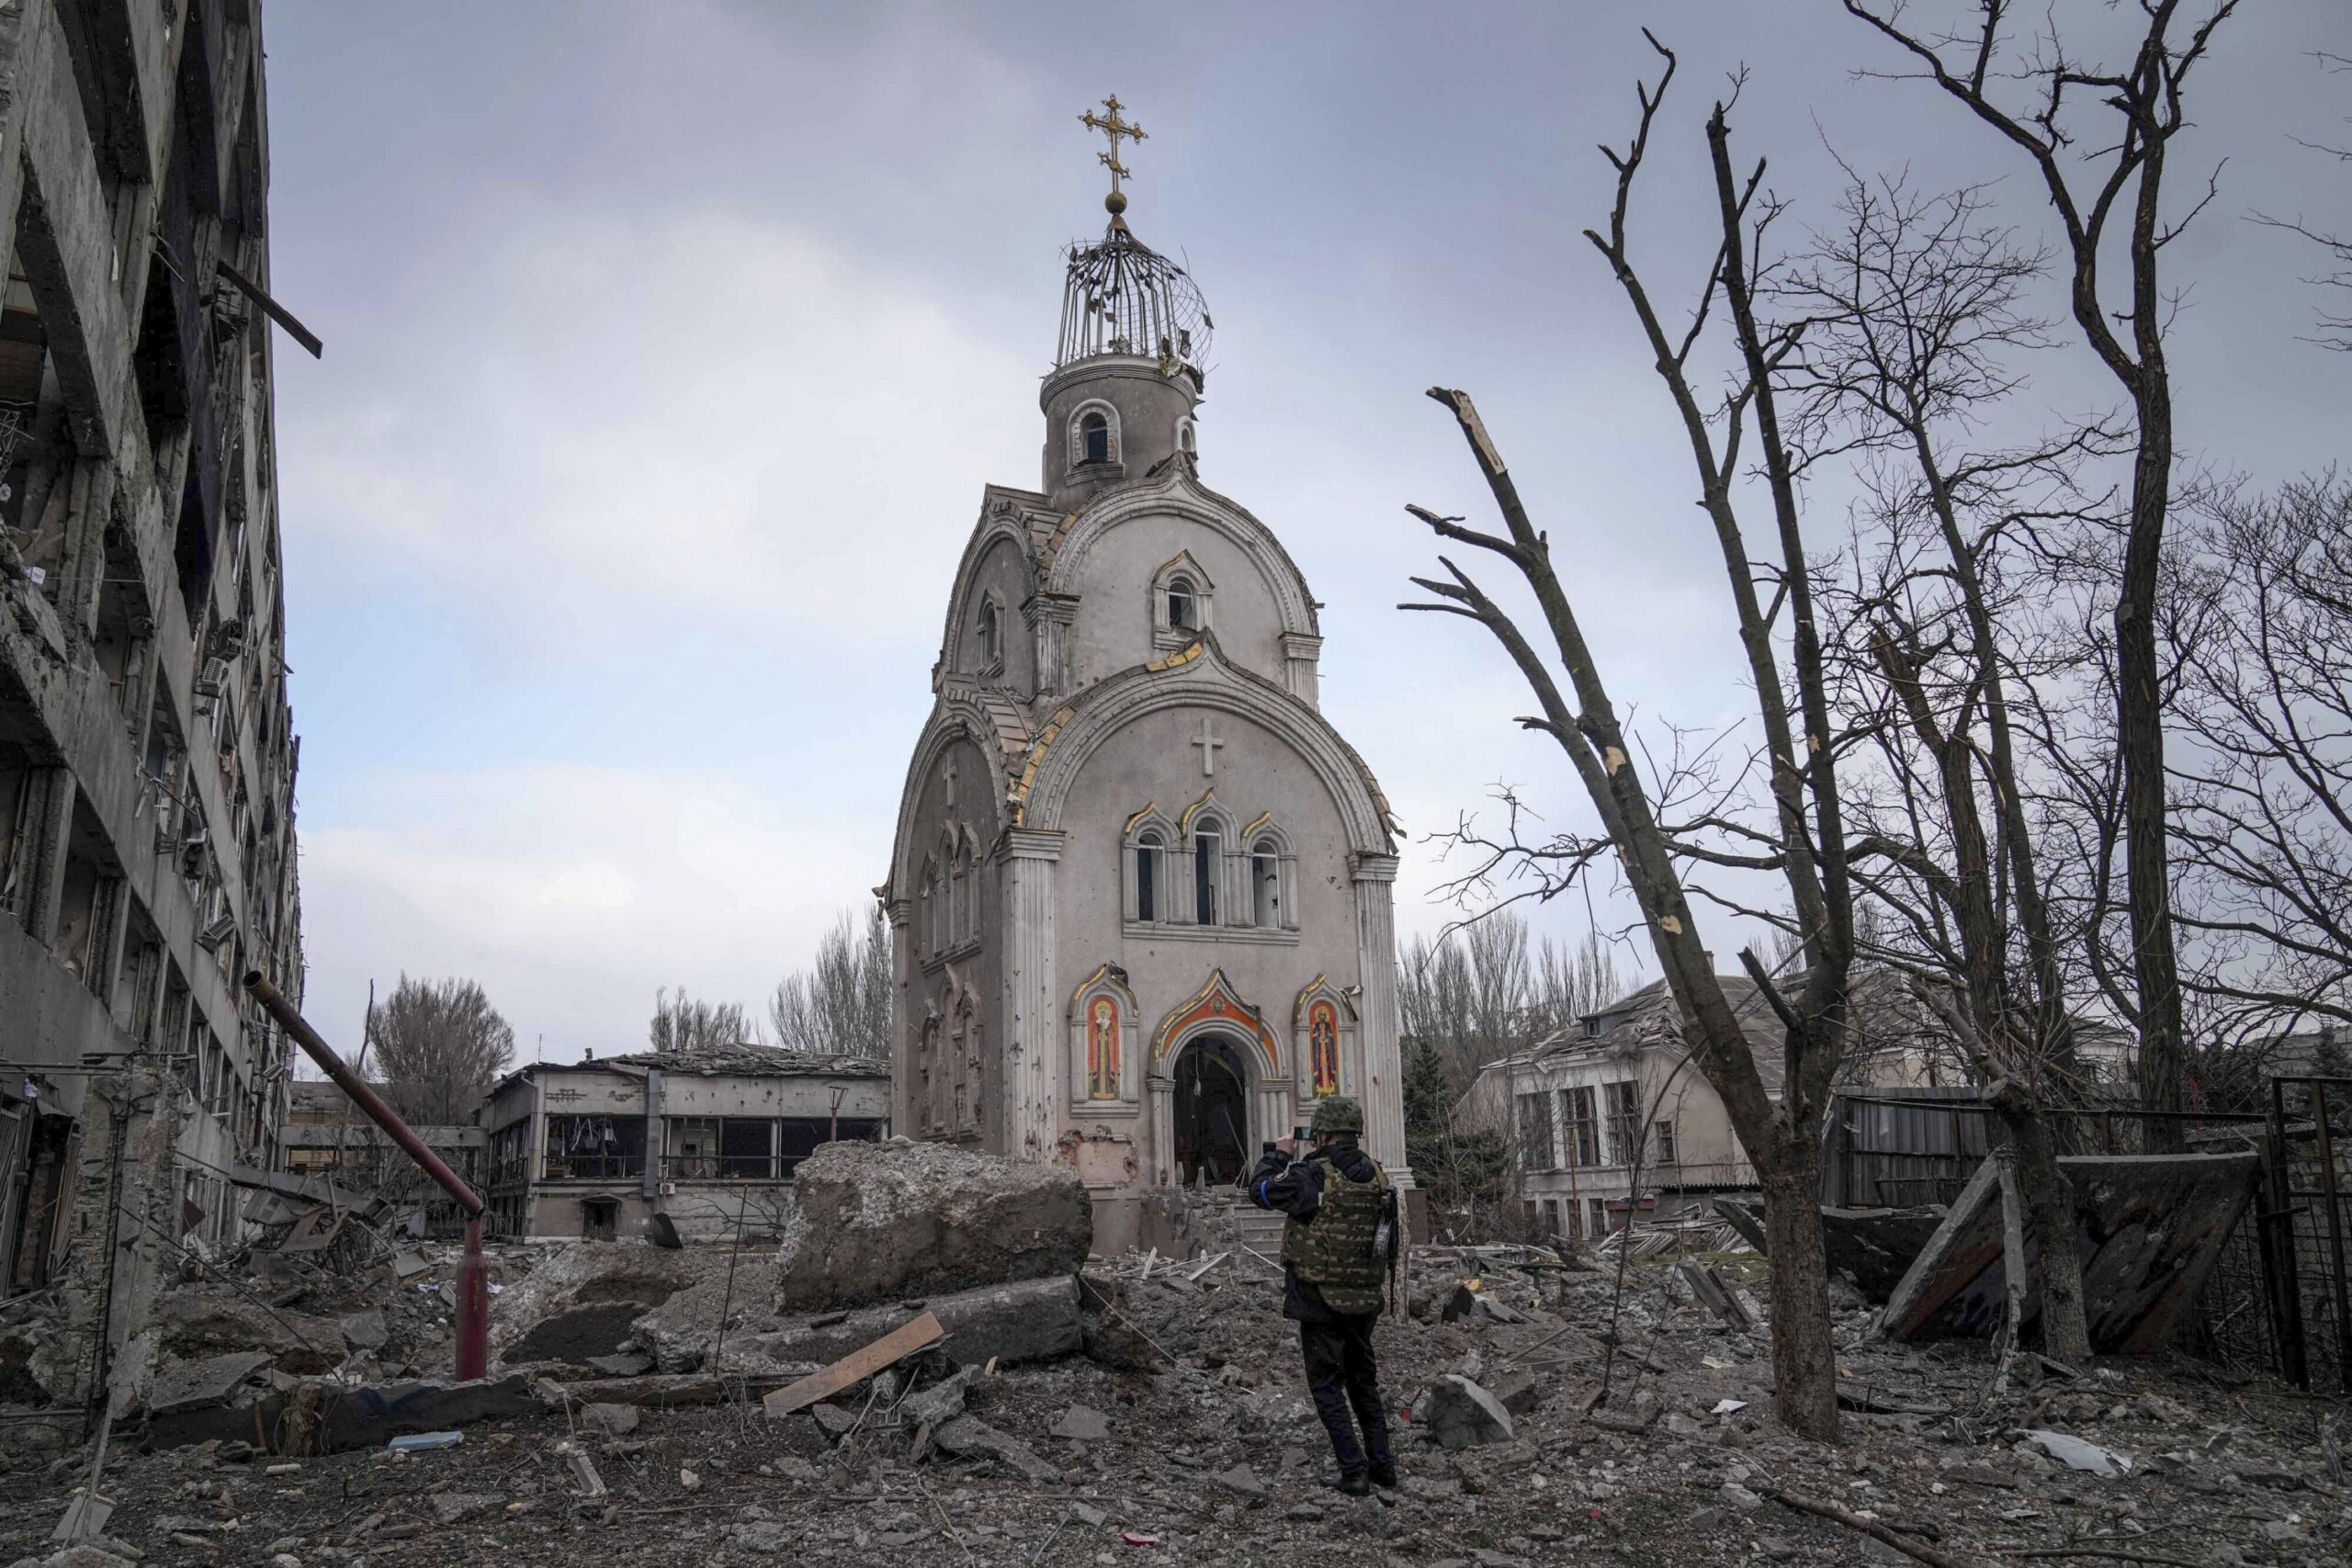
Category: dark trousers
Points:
column 1341, row 1374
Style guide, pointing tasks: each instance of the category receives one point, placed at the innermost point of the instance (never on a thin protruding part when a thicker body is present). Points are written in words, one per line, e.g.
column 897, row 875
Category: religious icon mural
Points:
column 1323, row 1046
column 1102, row 1049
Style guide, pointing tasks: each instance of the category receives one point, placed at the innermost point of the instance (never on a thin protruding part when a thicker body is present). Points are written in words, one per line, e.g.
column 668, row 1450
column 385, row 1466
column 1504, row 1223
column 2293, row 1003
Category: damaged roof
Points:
column 745, row 1061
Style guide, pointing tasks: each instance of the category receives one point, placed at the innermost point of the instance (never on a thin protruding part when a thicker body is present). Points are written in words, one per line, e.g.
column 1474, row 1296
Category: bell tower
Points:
column 1128, row 371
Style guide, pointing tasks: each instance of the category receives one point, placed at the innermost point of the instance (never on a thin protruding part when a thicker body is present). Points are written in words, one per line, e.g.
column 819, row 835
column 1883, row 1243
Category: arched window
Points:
column 1265, row 884
column 960, row 923
column 1208, row 858
column 1148, row 851
column 1094, row 438
column 1186, row 442
column 990, row 624
column 1183, row 608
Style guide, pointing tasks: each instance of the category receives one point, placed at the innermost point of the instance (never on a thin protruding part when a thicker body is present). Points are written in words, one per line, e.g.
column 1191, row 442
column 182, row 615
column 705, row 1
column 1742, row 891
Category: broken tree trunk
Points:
column 1804, row 1384
column 2048, row 1210
column 2013, row 1267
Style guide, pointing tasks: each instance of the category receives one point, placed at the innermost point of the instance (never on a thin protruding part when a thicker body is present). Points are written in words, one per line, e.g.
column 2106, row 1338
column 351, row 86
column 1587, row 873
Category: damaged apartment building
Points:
column 147, row 754
column 698, row 1143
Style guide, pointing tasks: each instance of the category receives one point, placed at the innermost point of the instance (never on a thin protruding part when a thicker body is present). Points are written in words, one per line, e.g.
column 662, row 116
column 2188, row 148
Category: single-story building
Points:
column 707, row 1136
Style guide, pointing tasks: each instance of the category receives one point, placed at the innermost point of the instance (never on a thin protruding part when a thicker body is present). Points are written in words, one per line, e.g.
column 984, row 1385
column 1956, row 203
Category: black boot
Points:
column 1355, row 1484
column 1383, row 1474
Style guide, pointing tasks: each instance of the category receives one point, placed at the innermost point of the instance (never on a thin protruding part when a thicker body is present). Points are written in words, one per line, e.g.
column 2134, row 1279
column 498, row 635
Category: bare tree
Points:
column 2333, row 244
column 681, row 1023
column 1573, row 982
column 840, row 1006
column 1913, row 310
column 2263, row 638
column 1798, row 831
column 2121, row 187
column 439, row 1045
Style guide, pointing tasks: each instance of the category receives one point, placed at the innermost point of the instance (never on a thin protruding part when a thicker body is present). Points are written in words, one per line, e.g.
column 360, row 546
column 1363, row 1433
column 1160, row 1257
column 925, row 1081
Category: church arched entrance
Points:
column 1211, row 1112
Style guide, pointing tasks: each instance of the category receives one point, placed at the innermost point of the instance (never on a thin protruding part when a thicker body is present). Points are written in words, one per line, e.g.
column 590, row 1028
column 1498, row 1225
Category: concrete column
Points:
column 1033, row 1043
column 81, row 566
column 49, row 828
column 1301, row 658
column 1384, row 1091
column 1049, row 616
column 901, row 913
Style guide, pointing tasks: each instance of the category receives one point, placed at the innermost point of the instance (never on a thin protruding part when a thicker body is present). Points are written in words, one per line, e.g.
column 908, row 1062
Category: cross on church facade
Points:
column 1208, row 742
column 1112, row 127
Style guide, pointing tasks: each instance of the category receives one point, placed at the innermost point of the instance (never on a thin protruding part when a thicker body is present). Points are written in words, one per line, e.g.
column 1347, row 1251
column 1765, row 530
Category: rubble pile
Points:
column 656, row 1407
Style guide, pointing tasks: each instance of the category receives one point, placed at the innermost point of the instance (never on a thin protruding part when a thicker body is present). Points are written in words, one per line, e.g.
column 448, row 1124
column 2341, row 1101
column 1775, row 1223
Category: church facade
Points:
column 1141, row 889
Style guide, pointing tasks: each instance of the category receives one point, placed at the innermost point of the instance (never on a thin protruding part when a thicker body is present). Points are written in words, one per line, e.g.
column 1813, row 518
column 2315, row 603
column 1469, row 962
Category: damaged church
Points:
column 1141, row 888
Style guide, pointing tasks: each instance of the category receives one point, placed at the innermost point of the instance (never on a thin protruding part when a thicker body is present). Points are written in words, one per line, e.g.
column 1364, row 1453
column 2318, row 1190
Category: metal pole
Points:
column 473, row 1280
column 2329, row 1196
column 2286, row 1292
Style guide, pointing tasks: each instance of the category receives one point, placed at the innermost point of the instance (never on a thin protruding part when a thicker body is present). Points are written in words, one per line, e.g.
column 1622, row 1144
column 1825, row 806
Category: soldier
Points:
column 1338, row 1249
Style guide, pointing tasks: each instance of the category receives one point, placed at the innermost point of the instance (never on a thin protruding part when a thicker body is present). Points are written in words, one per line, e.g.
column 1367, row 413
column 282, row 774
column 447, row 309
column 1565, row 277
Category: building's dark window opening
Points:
column 747, row 1147
column 1147, row 850
column 594, row 1148
column 1094, row 433
column 1205, row 858
column 1181, row 612
column 803, row 1134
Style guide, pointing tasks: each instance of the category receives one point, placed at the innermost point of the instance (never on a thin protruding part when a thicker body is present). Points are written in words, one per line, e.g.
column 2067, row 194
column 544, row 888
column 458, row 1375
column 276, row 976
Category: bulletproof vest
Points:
column 1334, row 1251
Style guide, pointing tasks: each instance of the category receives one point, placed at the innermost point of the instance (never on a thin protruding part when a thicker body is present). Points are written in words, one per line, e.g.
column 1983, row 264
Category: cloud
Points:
column 570, row 893
column 640, row 413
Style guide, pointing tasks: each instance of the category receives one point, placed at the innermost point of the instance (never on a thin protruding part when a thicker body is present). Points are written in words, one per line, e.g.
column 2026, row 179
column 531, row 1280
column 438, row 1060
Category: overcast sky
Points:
column 668, row 347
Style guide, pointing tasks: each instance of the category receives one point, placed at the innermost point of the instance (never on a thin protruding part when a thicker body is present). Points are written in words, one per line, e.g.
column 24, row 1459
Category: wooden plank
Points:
column 856, row 1367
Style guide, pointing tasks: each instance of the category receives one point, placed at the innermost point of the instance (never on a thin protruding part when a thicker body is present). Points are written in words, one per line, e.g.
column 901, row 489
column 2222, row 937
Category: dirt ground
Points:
column 1214, row 1456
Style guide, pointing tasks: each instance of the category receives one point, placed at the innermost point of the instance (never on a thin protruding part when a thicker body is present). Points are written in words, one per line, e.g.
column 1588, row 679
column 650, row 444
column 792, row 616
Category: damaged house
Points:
column 147, row 752
column 706, row 1137
column 1586, row 1106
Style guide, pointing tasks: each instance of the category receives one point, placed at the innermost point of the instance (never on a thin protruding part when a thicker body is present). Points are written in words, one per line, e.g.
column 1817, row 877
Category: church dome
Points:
column 1124, row 298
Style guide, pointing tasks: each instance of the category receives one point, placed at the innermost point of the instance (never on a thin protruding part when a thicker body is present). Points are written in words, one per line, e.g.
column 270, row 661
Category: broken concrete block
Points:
column 1032, row 1320
column 451, row 1507
column 193, row 1327
column 1240, row 1480
column 366, row 1330
column 877, row 1221
column 583, row 1302
column 1459, row 1414
column 970, row 1436
column 625, row 1364
column 940, row 1402
column 1083, row 1424
column 611, row 1420
column 181, row 1387
column 2074, row 1453
column 835, row 1421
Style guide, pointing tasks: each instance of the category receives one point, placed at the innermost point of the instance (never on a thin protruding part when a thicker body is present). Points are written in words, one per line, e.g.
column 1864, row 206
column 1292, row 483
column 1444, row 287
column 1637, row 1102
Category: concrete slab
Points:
column 2152, row 1226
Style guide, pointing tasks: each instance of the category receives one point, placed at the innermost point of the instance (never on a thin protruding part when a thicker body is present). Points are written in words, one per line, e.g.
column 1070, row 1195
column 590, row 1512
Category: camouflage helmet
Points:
column 1339, row 1114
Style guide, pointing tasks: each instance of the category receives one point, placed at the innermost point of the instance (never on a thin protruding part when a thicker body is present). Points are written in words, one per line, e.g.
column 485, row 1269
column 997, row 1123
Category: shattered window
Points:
column 747, row 1147
column 594, row 1148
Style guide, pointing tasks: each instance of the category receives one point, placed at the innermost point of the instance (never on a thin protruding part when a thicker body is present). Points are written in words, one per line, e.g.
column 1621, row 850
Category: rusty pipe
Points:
column 473, row 1287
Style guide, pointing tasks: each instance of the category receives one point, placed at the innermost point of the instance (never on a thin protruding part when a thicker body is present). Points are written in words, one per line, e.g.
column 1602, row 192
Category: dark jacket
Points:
column 1295, row 1187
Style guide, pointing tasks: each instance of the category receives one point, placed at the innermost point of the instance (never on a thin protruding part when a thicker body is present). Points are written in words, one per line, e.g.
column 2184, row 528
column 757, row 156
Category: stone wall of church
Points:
column 949, row 956
column 1007, row 655
column 1121, row 619
column 1157, row 763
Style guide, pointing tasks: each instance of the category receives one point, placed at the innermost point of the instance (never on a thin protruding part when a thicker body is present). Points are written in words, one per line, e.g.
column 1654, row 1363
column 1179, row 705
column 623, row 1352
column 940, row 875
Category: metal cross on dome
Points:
column 1112, row 127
